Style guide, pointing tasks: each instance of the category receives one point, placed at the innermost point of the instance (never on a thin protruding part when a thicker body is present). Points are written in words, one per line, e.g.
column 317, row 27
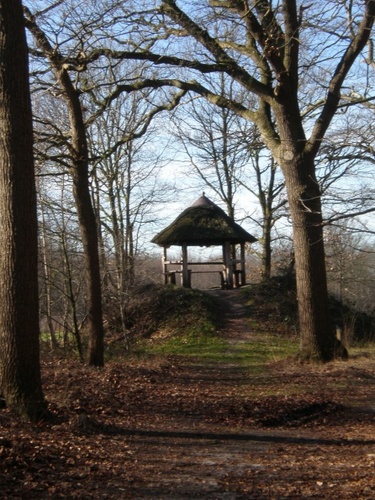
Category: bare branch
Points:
column 333, row 98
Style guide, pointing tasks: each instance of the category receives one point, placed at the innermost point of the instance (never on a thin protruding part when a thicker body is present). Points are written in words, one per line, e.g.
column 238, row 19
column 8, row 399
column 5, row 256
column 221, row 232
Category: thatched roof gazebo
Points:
column 205, row 224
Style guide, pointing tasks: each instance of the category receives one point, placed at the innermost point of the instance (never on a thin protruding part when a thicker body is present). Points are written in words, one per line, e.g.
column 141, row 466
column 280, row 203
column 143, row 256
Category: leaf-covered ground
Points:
column 175, row 428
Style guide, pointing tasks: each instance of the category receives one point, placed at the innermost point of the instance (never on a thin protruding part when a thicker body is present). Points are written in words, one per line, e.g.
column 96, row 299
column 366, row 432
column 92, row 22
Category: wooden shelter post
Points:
column 185, row 271
column 228, row 268
column 169, row 277
column 243, row 265
column 164, row 262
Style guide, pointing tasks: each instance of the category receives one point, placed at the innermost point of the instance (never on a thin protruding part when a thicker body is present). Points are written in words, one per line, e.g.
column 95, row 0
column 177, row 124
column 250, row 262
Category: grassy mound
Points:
column 169, row 319
column 273, row 307
column 163, row 311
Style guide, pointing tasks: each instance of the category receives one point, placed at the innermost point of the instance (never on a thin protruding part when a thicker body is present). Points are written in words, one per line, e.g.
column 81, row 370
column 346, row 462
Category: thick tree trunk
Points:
column 19, row 312
column 266, row 247
column 86, row 220
column 88, row 229
column 318, row 340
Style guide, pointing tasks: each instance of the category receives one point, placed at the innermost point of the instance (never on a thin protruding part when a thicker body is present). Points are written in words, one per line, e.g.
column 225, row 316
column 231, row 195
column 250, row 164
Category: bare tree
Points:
column 126, row 189
column 278, row 53
column 211, row 138
column 67, row 77
column 346, row 170
column 19, row 323
column 263, row 181
column 281, row 57
column 47, row 280
column 229, row 157
column 79, row 169
column 62, row 303
column 350, row 267
column 269, row 191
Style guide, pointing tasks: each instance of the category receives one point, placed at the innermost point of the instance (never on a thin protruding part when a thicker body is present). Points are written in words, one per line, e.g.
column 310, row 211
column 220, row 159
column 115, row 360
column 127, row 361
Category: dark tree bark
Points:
column 19, row 321
column 318, row 341
column 266, row 247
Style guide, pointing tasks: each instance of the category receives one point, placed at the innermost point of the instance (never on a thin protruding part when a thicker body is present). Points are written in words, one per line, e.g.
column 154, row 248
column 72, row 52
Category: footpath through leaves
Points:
column 175, row 428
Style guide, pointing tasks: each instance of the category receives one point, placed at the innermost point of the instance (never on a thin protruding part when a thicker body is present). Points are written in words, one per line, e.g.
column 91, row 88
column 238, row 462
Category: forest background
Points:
column 243, row 92
column 151, row 152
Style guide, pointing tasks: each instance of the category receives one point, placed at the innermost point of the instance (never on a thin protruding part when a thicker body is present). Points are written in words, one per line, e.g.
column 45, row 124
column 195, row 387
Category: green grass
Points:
column 207, row 349
column 362, row 349
column 262, row 350
column 185, row 323
column 203, row 347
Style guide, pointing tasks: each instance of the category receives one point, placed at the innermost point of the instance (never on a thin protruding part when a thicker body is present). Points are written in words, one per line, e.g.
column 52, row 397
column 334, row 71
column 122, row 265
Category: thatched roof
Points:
column 202, row 224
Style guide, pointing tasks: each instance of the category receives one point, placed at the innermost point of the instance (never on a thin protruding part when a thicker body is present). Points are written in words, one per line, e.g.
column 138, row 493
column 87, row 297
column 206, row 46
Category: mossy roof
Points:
column 202, row 224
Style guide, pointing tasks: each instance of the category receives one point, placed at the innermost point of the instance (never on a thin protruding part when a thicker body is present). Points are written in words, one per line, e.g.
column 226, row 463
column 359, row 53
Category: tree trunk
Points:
column 47, row 281
column 70, row 295
column 19, row 312
column 266, row 247
column 86, row 220
column 318, row 340
column 88, row 228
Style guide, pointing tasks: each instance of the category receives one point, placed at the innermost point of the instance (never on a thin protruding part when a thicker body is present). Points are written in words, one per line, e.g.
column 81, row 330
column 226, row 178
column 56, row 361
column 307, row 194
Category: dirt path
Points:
column 172, row 429
column 234, row 313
